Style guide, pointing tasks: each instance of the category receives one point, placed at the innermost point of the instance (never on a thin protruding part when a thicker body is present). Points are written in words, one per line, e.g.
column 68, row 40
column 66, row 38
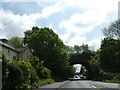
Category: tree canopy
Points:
column 45, row 44
column 78, row 49
column 109, row 55
column 16, row 42
column 113, row 30
column 110, row 48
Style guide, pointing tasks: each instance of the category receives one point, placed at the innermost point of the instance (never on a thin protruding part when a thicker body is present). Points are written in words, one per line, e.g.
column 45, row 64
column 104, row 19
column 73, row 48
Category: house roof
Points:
column 15, row 49
column 22, row 49
column 8, row 46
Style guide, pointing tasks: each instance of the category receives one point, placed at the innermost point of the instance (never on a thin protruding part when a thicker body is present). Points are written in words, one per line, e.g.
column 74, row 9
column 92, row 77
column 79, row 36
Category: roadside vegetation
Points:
column 49, row 61
column 106, row 62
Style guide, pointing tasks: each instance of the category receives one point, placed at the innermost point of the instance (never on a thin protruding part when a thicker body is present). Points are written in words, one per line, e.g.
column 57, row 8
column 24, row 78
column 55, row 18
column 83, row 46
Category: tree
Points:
column 42, row 72
column 113, row 30
column 109, row 55
column 82, row 48
column 95, row 66
column 70, row 49
column 16, row 42
column 45, row 44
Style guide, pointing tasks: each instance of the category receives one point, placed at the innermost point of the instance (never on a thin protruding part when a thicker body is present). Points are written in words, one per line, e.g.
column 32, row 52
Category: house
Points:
column 24, row 53
column 12, row 53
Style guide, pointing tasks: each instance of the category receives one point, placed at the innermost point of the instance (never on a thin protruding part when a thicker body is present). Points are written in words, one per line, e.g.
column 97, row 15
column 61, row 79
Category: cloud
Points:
column 95, row 43
column 96, row 12
column 104, row 5
column 76, row 26
column 49, row 10
column 15, row 25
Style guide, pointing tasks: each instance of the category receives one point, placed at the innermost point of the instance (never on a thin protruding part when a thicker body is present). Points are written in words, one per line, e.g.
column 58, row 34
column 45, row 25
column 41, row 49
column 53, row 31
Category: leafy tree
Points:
column 45, row 44
column 113, row 30
column 77, row 48
column 16, row 42
column 43, row 72
column 109, row 55
column 70, row 49
column 82, row 48
column 95, row 66
column 35, row 62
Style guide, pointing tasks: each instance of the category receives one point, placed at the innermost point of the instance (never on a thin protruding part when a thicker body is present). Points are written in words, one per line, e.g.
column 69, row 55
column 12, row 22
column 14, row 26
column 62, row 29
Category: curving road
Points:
column 80, row 85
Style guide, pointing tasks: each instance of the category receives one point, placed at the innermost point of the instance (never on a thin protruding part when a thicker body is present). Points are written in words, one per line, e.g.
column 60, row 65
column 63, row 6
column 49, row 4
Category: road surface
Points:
column 80, row 85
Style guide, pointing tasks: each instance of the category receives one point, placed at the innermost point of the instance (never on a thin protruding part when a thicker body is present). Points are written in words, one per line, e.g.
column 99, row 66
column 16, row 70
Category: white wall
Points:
column 9, row 53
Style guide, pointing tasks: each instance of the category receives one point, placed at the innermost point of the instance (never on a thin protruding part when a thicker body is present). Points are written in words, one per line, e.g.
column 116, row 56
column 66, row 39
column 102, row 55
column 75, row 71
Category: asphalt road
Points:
column 80, row 85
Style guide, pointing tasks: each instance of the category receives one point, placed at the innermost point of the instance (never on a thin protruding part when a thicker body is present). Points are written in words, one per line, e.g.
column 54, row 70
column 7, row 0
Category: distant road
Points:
column 80, row 85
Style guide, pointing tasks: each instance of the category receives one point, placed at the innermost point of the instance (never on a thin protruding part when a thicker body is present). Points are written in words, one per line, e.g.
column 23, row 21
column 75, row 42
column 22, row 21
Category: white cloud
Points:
column 78, row 25
column 96, row 12
column 14, row 25
column 95, row 43
column 49, row 10
column 104, row 5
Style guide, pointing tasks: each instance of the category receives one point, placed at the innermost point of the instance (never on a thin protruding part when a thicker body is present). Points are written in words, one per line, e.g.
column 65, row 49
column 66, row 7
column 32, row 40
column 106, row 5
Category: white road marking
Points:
column 93, row 86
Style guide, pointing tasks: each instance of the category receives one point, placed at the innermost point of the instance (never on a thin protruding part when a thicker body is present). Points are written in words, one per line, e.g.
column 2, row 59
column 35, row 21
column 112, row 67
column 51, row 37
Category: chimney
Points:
column 4, row 40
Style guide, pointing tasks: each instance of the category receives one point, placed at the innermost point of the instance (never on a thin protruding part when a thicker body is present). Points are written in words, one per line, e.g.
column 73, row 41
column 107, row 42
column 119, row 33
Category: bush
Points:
column 95, row 66
column 15, row 77
column 34, row 61
column 4, row 69
column 29, row 73
column 34, row 78
column 44, row 73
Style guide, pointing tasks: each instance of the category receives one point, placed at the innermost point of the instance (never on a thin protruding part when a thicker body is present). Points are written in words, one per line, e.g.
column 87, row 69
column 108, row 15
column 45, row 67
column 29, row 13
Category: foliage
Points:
column 71, row 71
column 82, row 48
column 45, row 44
column 78, row 49
column 43, row 72
column 16, row 42
column 34, row 78
column 113, row 31
column 35, row 62
column 29, row 74
column 45, row 81
column 95, row 69
column 84, row 71
column 4, row 69
column 109, row 55
column 14, row 79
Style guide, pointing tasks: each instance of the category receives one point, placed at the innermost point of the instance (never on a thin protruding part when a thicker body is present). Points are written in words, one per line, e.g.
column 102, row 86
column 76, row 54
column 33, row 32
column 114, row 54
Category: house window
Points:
column 14, row 57
column 8, row 51
column 27, row 57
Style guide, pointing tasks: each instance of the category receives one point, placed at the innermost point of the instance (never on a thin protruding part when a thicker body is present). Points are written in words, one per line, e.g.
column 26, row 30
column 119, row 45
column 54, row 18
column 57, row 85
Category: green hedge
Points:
column 29, row 73
column 44, row 73
column 14, row 78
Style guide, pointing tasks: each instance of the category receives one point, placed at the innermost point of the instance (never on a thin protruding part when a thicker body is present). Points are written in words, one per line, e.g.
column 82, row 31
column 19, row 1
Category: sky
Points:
column 75, row 21
column 77, row 67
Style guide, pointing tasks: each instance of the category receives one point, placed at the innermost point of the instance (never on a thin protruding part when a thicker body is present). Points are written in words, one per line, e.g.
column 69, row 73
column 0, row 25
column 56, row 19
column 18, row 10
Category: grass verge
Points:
column 112, row 81
column 45, row 81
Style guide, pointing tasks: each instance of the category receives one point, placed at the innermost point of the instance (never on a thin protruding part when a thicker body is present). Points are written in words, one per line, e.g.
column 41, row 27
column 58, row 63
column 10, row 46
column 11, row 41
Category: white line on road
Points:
column 93, row 86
